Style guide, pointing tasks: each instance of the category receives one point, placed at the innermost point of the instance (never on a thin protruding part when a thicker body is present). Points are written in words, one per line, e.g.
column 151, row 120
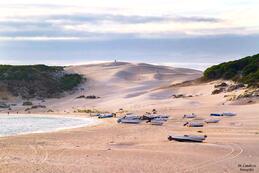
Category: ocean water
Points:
column 11, row 125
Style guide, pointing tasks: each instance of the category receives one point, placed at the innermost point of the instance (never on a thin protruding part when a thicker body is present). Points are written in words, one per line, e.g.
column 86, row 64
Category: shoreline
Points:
column 91, row 123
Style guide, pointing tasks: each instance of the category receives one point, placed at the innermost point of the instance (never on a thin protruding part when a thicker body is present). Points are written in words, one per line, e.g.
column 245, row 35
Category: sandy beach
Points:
column 231, row 145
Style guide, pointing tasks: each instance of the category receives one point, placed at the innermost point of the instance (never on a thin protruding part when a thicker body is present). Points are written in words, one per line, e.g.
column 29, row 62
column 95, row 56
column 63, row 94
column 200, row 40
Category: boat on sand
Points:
column 132, row 119
column 212, row 120
column 228, row 114
column 190, row 115
column 187, row 138
column 194, row 124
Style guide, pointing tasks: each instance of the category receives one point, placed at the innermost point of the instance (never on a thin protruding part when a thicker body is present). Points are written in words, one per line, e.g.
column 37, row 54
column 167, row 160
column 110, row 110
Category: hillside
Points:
column 30, row 81
column 245, row 70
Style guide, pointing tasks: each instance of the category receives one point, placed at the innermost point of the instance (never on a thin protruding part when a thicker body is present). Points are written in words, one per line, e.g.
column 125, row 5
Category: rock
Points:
column 218, row 91
column 223, row 84
column 27, row 103
column 4, row 105
column 80, row 97
column 249, row 94
column 178, row 96
column 27, row 109
column 50, row 110
column 235, row 87
column 38, row 106
column 92, row 97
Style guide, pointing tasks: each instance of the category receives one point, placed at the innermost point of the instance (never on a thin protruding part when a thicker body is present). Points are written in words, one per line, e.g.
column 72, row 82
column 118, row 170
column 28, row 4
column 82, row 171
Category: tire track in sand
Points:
column 235, row 151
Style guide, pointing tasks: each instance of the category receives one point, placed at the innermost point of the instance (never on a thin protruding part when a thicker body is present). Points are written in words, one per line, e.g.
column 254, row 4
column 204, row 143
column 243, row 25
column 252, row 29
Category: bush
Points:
column 40, row 81
column 245, row 70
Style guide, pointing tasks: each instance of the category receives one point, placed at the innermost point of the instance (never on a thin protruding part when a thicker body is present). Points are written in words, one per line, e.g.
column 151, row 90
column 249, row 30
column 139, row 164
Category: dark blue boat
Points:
column 217, row 115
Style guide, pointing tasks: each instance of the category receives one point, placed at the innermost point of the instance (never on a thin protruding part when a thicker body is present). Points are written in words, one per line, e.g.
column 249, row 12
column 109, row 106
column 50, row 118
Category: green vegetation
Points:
column 69, row 81
column 88, row 111
column 245, row 70
column 42, row 81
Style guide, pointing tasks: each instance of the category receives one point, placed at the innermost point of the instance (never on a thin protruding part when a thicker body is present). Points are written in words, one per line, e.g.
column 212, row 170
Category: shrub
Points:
column 245, row 70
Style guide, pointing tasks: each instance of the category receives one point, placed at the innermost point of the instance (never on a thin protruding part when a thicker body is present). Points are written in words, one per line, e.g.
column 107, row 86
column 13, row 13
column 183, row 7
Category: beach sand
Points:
column 112, row 147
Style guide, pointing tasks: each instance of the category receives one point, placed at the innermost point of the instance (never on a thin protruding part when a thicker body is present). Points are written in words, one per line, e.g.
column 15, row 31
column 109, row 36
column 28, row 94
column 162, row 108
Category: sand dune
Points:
column 119, row 84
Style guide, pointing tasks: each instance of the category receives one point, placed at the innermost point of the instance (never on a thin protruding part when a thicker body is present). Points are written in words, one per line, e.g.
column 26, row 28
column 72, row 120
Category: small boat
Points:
column 157, row 121
column 105, row 116
column 194, row 124
column 129, row 121
column 190, row 115
column 132, row 119
column 212, row 120
column 228, row 114
column 154, row 116
column 187, row 138
column 216, row 115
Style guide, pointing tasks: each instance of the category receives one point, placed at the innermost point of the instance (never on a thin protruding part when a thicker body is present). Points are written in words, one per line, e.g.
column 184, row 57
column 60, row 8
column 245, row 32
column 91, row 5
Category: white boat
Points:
column 212, row 120
column 190, row 115
column 229, row 114
column 132, row 119
column 129, row 121
column 157, row 121
column 105, row 115
column 187, row 138
column 194, row 124
column 155, row 116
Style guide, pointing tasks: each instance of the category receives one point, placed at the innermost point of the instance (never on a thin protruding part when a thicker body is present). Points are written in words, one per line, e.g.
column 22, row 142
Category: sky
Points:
column 187, row 33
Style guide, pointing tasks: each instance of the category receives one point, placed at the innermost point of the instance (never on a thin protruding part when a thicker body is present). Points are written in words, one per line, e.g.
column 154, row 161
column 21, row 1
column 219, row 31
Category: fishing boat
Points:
column 154, row 116
column 194, row 124
column 190, row 115
column 228, row 114
column 212, row 120
column 131, row 119
column 187, row 138
column 157, row 121
column 105, row 115
column 216, row 114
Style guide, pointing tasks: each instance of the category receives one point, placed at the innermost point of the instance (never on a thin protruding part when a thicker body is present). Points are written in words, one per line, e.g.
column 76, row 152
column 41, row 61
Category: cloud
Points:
column 198, row 19
column 89, row 26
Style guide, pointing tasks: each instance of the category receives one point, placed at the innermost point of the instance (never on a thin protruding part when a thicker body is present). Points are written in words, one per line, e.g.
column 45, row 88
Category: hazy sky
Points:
column 191, row 33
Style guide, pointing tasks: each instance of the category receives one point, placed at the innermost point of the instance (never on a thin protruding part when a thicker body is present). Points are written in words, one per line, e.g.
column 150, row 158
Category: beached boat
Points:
column 129, row 121
column 155, row 116
column 157, row 121
column 194, row 124
column 190, row 115
column 212, row 120
column 228, row 114
column 132, row 119
column 187, row 138
column 105, row 116
column 216, row 114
